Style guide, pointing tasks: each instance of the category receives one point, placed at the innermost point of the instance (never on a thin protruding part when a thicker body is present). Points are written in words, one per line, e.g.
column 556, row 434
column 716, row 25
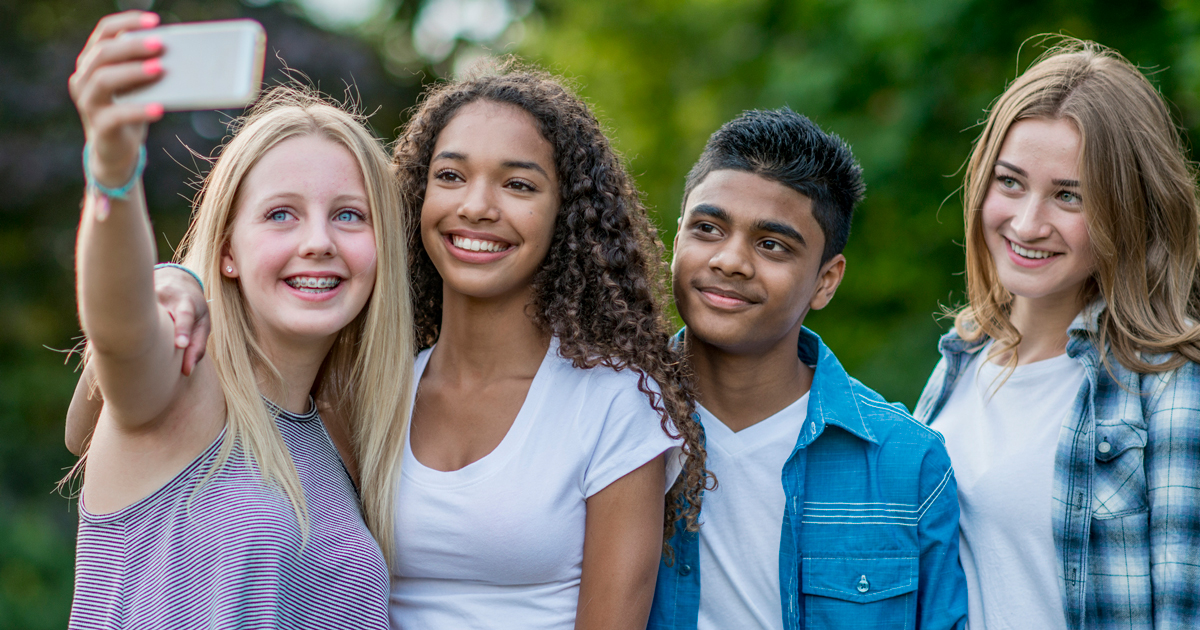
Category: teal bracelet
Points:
column 115, row 193
column 182, row 268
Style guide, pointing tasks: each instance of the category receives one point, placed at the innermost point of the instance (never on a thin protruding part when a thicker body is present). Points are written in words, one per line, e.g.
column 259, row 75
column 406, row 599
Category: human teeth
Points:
column 314, row 283
column 476, row 245
column 1030, row 253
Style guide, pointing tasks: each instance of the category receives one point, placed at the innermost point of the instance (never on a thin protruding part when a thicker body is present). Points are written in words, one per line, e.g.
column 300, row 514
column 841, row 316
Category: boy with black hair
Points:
column 834, row 508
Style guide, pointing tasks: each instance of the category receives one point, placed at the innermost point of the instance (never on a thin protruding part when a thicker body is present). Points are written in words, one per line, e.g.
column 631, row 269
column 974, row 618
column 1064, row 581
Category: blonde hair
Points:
column 367, row 375
column 1139, row 200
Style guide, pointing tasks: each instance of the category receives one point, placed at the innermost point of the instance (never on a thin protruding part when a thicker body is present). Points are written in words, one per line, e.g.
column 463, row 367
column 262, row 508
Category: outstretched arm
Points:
column 621, row 548
column 180, row 294
column 130, row 339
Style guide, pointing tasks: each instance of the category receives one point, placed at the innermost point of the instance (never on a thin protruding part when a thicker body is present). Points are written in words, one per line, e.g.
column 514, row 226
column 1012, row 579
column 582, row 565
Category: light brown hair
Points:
column 1139, row 202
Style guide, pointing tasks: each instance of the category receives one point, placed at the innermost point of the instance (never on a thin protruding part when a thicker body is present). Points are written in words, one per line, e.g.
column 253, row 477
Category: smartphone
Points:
column 206, row 65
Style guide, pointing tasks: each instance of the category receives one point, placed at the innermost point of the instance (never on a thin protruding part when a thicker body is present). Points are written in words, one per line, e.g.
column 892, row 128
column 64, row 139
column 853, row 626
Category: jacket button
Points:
column 1104, row 447
column 863, row 584
column 685, row 569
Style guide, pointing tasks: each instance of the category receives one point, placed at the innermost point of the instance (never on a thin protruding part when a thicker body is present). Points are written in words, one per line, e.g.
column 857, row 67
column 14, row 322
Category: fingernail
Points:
column 149, row 20
column 152, row 66
column 154, row 110
column 153, row 44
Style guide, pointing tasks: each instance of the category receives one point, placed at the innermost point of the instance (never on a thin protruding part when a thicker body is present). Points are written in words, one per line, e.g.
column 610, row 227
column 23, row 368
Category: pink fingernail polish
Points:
column 153, row 44
column 152, row 66
column 154, row 110
column 149, row 20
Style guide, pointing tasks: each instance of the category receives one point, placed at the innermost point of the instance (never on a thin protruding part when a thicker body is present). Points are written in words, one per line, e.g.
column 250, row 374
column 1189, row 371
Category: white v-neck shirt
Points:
column 499, row 542
column 1002, row 443
column 742, row 519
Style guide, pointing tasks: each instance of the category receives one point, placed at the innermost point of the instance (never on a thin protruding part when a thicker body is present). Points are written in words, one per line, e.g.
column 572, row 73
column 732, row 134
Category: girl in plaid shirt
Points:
column 1069, row 390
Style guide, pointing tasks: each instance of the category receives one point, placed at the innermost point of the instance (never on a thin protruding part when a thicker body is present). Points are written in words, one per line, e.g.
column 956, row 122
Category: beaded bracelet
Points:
column 182, row 268
column 115, row 193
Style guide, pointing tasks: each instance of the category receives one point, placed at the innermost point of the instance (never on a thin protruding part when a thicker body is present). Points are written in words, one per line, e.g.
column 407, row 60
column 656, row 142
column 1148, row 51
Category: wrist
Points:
column 193, row 274
column 108, row 182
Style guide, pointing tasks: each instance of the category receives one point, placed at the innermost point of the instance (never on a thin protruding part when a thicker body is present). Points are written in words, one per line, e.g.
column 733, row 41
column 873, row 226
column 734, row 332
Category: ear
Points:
column 229, row 268
column 828, row 280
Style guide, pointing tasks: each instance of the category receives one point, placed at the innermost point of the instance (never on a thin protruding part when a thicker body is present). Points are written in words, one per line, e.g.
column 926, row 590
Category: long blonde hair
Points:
column 1139, row 200
column 367, row 376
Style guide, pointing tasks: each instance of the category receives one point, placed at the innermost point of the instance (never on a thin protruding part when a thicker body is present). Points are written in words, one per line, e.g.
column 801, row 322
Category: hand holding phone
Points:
column 206, row 65
column 112, row 65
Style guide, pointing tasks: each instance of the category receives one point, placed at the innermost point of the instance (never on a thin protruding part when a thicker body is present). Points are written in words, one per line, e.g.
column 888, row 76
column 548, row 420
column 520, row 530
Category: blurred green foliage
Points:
column 904, row 83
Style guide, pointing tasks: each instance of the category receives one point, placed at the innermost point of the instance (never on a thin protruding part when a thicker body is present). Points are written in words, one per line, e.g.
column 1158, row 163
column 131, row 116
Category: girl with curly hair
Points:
column 547, row 390
column 1069, row 389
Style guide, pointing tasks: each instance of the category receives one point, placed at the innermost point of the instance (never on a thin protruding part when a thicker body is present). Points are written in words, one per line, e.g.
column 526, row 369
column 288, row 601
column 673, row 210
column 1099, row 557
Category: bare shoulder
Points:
column 126, row 464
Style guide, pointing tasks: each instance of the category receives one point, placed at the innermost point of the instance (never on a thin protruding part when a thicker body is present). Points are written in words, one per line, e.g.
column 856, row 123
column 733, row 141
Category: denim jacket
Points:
column 1126, row 486
column 870, row 525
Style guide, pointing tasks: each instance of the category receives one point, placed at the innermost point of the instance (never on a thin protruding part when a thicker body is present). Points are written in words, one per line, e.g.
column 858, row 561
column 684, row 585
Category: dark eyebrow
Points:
column 781, row 229
column 711, row 211
column 1066, row 183
column 773, row 227
column 533, row 166
column 462, row 157
column 1012, row 167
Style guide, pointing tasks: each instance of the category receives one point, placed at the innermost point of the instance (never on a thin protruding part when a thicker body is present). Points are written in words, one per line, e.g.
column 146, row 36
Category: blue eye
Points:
column 278, row 215
column 348, row 215
column 1069, row 197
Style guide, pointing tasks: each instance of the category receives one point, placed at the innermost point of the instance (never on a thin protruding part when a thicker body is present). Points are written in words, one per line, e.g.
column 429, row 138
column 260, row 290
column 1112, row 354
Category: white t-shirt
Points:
column 743, row 518
column 499, row 542
column 1002, row 444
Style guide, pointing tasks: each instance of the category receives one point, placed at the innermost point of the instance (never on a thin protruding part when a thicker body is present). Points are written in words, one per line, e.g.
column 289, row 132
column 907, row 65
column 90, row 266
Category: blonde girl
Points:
column 219, row 499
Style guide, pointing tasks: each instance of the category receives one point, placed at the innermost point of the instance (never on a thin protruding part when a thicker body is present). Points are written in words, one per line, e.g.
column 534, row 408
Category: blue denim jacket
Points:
column 1126, row 485
column 870, row 527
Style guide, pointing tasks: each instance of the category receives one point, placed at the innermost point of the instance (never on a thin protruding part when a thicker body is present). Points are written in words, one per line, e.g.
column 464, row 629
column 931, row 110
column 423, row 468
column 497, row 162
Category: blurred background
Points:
column 905, row 83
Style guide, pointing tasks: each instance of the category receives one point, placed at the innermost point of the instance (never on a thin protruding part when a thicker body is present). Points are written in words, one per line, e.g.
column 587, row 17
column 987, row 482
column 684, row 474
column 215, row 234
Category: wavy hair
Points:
column 601, row 288
column 367, row 375
column 1139, row 200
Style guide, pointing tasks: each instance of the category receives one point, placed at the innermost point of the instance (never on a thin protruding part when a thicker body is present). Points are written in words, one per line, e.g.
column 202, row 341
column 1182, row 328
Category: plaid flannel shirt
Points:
column 1126, row 486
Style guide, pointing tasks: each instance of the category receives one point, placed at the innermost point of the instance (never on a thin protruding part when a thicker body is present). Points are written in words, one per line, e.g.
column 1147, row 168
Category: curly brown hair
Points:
column 601, row 288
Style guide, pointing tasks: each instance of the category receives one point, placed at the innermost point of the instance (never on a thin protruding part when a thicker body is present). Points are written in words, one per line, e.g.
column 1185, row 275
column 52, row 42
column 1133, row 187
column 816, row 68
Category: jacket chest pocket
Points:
column 859, row 592
column 1119, row 485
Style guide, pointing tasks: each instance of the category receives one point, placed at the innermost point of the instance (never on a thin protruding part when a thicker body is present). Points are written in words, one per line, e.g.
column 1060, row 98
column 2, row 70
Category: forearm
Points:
column 115, row 256
column 83, row 412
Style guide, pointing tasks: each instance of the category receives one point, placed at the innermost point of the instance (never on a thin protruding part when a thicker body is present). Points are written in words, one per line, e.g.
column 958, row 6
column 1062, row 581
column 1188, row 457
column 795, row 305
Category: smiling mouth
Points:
column 313, row 284
column 725, row 298
column 1032, row 254
column 477, row 245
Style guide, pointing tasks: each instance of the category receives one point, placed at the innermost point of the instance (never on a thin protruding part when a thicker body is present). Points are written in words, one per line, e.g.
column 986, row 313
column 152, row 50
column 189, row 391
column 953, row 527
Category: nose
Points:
column 733, row 258
column 479, row 202
column 318, row 240
column 1029, row 223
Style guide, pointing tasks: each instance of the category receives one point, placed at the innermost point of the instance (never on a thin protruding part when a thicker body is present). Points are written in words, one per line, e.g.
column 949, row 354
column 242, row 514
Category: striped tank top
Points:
column 233, row 557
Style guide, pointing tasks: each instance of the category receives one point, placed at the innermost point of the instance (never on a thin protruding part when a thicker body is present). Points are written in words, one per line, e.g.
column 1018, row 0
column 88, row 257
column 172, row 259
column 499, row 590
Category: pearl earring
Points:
column 229, row 269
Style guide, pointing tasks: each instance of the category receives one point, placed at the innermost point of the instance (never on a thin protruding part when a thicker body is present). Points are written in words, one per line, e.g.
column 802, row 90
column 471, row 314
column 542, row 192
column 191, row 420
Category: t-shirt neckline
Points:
column 488, row 464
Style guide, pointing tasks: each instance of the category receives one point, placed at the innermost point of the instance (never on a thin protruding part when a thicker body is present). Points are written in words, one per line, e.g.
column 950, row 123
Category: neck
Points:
column 745, row 388
column 1043, row 326
column 298, row 364
column 487, row 339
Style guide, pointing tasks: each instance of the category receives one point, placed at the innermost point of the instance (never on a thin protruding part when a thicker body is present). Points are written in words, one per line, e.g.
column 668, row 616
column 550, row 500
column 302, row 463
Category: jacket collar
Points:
column 831, row 398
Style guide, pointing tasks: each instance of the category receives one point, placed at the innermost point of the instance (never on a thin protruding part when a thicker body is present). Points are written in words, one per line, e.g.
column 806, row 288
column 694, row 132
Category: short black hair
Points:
column 786, row 147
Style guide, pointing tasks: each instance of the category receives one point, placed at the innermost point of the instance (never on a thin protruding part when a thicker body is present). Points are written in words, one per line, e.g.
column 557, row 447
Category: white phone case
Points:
column 207, row 65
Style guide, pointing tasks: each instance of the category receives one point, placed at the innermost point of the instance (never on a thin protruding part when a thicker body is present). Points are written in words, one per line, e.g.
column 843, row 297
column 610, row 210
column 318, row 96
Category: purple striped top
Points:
column 233, row 557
